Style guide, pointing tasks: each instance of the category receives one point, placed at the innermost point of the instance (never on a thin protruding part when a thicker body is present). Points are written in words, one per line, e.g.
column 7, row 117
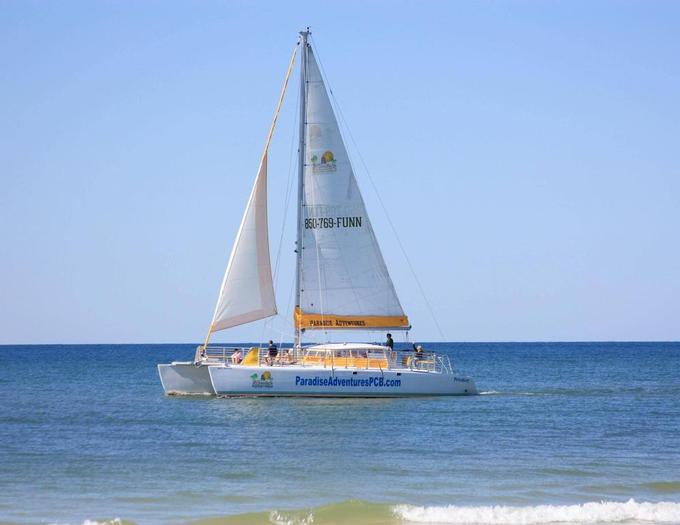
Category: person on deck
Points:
column 419, row 352
column 273, row 351
column 390, row 342
column 237, row 357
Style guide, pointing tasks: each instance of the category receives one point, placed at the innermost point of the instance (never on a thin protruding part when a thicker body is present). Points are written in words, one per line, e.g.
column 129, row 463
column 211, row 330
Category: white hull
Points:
column 186, row 379
column 327, row 382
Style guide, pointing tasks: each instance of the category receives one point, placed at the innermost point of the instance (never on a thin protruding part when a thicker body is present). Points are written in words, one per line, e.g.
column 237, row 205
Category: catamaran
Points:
column 342, row 283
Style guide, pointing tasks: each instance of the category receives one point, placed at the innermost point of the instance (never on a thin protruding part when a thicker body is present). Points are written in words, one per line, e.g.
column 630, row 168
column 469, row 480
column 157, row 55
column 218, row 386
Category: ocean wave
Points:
column 350, row 512
column 602, row 512
column 114, row 521
column 663, row 486
column 358, row 512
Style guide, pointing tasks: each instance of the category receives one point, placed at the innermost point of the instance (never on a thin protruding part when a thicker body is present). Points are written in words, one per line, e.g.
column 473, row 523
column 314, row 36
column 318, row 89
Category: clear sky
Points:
column 528, row 153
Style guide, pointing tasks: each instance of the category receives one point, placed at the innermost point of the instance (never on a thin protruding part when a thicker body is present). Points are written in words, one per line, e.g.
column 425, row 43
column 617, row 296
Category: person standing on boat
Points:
column 272, row 353
column 390, row 342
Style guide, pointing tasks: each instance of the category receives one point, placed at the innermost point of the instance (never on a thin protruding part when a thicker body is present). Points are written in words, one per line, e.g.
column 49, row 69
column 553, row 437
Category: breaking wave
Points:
column 356, row 512
column 603, row 512
column 114, row 521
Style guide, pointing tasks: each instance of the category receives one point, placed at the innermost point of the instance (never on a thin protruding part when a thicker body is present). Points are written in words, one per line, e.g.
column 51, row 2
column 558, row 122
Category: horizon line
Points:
column 576, row 341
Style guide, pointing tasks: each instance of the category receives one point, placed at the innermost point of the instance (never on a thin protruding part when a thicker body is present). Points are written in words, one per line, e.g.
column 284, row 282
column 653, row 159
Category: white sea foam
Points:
column 497, row 393
column 278, row 518
column 114, row 521
column 602, row 512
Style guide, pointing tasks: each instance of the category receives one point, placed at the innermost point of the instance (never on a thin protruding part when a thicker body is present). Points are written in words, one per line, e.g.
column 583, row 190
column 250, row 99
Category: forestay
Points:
column 344, row 282
column 247, row 291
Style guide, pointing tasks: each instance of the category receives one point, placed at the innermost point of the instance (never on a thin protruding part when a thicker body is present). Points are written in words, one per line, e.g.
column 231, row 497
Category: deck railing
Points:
column 425, row 361
column 217, row 354
column 223, row 354
column 351, row 359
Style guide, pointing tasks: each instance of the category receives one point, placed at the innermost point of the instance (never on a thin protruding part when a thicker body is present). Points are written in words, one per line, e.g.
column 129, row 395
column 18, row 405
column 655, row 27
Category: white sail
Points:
column 247, row 291
column 344, row 282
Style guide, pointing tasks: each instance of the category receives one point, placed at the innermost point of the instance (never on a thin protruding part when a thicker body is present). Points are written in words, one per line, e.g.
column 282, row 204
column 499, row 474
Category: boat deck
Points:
column 332, row 356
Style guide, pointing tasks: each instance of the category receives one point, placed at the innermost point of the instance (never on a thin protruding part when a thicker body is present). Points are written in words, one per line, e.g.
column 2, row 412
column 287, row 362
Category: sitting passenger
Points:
column 419, row 352
column 285, row 356
column 237, row 357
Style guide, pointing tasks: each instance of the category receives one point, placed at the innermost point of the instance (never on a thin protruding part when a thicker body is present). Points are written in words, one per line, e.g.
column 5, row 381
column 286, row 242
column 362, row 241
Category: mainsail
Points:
column 343, row 279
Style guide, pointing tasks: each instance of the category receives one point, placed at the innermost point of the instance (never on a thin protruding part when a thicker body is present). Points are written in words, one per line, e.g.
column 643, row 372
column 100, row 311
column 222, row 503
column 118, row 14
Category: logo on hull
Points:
column 262, row 381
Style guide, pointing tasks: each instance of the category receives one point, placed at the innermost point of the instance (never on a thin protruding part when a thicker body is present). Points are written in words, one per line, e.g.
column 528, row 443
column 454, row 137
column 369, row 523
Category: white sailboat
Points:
column 342, row 283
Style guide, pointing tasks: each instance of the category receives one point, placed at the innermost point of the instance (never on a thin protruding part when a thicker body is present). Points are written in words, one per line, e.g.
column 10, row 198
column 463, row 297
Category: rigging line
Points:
column 281, row 334
column 288, row 303
column 382, row 204
column 394, row 230
column 290, row 298
column 287, row 199
column 271, row 130
column 280, row 102
column 265, row 153
column 289, row 190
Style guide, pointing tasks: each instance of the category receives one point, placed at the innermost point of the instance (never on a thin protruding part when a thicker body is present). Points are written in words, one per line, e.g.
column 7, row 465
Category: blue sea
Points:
column 562, row 433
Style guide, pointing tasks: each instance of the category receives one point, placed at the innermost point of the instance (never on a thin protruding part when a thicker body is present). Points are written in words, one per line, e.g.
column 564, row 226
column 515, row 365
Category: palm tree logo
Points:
column 325, row 163
column 262, row 381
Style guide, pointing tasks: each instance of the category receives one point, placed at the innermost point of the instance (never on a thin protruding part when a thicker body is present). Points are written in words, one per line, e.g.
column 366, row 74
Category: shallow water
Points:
column 87, row 434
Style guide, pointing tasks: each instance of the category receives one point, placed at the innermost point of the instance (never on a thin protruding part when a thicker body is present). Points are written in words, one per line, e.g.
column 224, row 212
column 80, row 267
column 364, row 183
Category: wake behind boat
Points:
column 342, row 283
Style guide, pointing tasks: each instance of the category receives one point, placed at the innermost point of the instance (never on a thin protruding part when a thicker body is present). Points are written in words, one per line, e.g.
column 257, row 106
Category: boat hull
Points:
column 185, row 379
column 266, row 381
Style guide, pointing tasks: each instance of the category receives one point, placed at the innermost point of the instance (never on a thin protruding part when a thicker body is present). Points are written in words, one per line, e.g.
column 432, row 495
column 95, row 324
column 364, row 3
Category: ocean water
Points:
column 563, row 432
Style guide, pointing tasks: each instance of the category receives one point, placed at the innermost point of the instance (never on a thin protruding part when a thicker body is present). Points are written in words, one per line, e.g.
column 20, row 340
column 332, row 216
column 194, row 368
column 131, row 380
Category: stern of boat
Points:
column 464, row 386
column 185, row 378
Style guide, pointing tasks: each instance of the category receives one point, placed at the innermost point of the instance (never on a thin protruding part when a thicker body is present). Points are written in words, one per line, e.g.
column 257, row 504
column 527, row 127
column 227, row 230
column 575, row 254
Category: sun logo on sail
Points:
column 323, row 163
column 262, row 381
column 327, row 157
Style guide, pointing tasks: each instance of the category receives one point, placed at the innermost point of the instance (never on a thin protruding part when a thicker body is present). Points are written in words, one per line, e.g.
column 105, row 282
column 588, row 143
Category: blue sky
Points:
column 528, row 153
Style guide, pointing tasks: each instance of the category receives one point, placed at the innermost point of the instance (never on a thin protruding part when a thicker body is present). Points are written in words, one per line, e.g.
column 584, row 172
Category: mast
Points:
column 301, row 173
